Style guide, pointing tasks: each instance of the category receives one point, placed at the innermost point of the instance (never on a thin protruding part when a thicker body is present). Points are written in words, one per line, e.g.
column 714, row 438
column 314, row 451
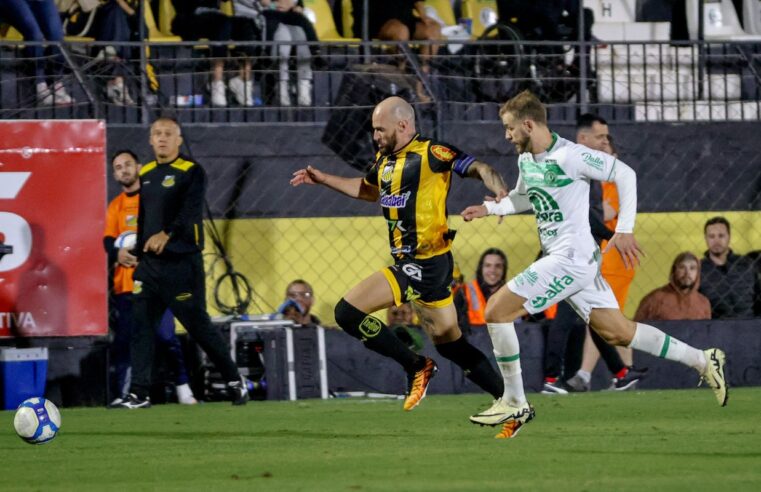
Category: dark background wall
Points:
column 353, row 368
column 681, row 167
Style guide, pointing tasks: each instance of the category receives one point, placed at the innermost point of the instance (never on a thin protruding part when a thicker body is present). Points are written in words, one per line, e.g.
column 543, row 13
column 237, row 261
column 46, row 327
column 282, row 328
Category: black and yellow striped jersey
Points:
column 414, row 183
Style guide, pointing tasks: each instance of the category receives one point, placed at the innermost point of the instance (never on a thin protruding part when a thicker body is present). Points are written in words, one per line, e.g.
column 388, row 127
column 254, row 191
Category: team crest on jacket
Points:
column 442, row 153
column 168, row 181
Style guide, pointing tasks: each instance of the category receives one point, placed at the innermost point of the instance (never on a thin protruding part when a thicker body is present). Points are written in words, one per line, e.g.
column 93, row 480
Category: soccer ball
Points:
column 126, row 239
column 37, row 420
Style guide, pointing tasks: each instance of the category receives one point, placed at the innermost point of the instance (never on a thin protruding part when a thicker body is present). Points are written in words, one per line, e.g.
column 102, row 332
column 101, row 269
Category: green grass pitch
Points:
column 640, row 441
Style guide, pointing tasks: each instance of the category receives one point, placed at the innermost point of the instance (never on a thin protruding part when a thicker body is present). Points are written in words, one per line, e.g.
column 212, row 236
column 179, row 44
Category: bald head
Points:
column 393, row 124
column 398, row 109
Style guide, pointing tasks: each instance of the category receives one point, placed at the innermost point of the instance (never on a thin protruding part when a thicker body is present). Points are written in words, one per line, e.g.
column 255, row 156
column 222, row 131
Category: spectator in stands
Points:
column 117, row 21
column 471, row 298
column 38, row 21
column 198, row 19
column 728, row 280
column 286, row 23
column 395, row 20
column 121, row 218
column 679, row 299
column 299, row 298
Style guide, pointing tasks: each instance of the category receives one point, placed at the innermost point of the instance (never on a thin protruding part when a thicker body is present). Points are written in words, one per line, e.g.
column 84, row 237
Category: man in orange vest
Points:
column 471, row 297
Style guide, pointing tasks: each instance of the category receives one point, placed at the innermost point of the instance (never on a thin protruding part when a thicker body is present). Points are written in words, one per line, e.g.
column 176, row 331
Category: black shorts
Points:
column 427, row 282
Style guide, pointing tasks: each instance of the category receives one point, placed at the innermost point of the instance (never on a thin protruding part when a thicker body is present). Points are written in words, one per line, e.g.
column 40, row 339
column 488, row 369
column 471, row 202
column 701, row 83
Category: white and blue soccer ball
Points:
column 126, row 239
column 37, row 420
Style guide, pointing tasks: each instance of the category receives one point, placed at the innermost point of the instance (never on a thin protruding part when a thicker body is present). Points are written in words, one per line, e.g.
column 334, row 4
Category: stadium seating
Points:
column 483, row 13
column 441, row 11
column 662, row 80
column 752, row 16
column 155, row 34
column 319, row 13
column 720, row 21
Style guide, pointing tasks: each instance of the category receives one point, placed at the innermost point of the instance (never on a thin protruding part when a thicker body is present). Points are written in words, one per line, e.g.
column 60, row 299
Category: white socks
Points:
column 653, row 341
column 507, row 353
column 185, row 395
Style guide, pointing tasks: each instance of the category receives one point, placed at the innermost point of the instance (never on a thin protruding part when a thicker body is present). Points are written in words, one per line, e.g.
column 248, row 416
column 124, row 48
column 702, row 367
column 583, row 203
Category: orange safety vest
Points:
column 476, row 303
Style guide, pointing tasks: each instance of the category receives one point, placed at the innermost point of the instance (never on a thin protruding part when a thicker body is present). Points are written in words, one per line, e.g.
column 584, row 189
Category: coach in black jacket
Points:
column 170, row 270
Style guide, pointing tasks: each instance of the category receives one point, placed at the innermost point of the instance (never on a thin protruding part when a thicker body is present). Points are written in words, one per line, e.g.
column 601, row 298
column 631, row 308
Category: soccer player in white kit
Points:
column 553, row 180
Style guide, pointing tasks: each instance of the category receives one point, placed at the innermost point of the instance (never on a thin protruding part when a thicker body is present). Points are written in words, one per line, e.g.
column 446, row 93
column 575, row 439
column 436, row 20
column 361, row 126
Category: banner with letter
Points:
column 53, row 279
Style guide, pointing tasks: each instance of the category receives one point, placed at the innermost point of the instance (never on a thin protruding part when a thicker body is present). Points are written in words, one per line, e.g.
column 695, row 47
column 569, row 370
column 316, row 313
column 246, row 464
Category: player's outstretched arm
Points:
column 474, row 212
column 353, row 187
column 490, row 177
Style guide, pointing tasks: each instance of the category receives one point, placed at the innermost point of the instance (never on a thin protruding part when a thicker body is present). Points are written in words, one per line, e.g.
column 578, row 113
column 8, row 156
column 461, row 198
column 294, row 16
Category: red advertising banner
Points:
column 53, row 279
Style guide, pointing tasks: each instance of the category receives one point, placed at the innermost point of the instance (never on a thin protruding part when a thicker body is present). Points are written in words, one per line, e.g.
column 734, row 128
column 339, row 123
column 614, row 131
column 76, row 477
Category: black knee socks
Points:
column 474, row 363
column 376, row 336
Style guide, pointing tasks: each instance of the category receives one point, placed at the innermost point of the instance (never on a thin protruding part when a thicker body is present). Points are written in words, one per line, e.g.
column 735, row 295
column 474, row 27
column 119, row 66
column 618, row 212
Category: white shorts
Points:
column 554, row 278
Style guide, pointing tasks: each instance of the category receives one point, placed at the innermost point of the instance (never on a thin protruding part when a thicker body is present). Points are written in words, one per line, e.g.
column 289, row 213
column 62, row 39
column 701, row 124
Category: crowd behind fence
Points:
column 653, row 81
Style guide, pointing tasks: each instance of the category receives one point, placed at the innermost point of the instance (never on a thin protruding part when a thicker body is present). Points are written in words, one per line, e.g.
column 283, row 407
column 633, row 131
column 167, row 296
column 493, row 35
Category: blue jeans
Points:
column 36, row 20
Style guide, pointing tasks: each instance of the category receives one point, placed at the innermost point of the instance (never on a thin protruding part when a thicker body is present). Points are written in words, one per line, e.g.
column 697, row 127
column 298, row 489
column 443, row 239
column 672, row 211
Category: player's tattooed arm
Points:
column 490, row 177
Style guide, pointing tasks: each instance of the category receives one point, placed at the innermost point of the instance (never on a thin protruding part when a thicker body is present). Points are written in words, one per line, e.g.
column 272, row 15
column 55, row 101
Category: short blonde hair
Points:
column 525, row 106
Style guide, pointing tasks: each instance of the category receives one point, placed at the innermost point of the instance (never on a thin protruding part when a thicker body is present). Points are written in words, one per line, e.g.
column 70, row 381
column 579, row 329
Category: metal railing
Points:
column 654, row 81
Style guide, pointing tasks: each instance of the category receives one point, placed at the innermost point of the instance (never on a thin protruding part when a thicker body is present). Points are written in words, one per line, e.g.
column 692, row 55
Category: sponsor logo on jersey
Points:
column 370, row 327
column 395, row 201
column 545, row 207
column 184, row 296
column 592, row 161
column 546, row 174
column 137, row 287
column 168, row 181
column 413, row 271
column 404, row 250
column 132, row 221
column 411, row 294
column 557, row 286
column 388, row 171
column 547, row 233
column 528, row 276
column 395, row 224
column 442, row 153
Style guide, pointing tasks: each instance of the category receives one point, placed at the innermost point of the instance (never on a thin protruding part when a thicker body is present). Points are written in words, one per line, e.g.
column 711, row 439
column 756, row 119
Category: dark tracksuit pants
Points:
column 565, row 343
column 120, row 346
column 176, row 282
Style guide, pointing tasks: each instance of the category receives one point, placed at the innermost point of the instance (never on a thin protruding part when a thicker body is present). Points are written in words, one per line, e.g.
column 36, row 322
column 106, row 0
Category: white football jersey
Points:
column 556, row 183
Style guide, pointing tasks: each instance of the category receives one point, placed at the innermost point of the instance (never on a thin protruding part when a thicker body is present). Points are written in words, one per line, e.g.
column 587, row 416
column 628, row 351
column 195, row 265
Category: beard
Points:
column 522, row 143
column 685, row 284
column 127, row 182
column 389, row 146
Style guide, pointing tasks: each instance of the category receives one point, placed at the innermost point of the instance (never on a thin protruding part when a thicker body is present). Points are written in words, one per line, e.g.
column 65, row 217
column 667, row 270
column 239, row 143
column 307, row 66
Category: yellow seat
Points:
column 482, row 12
column 226, row 6
column 443, row 10
column 347, row 18
column 154, row 33
column 10, row 33
column 166, row 16
column 319, row 13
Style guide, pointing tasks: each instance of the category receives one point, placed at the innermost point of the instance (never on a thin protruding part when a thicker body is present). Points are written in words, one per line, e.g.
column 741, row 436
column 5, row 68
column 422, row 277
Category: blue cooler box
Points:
column 22, row 375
